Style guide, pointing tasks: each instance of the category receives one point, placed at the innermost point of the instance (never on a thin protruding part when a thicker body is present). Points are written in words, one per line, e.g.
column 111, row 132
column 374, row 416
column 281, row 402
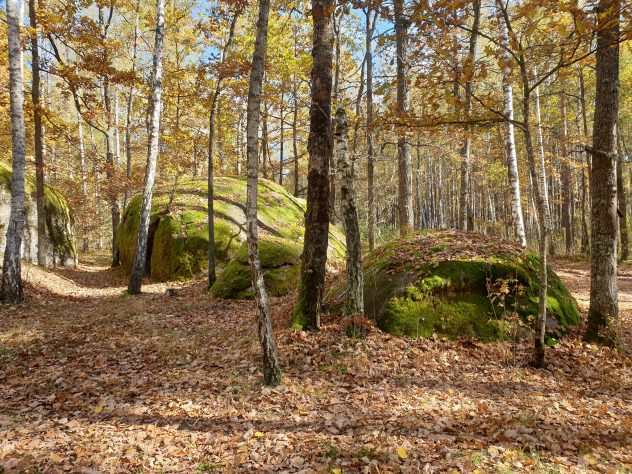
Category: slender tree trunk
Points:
column 140, row 259
column 466, row 165
column 306, row 313
column 211, row 159
column 603, row 313
column 372, row 211
column 354, row 299
column 623, row 213
column 281, row 140
column 510, row 142
column 130, row 111
column 110, row 169
column 333, row 182
column 582, row 103
column 405, row 180
column 37, row 137
column 544, row 213
column 271, row 369
column 565, row 177
column 11, row 288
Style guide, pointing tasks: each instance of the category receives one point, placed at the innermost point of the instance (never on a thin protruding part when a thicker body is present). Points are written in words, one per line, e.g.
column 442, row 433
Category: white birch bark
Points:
column 139, row 268
column 510, row 142
column 11, row 287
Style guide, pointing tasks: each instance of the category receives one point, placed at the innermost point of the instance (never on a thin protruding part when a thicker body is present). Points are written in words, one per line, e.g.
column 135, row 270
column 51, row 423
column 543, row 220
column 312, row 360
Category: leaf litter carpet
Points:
column 92, row 380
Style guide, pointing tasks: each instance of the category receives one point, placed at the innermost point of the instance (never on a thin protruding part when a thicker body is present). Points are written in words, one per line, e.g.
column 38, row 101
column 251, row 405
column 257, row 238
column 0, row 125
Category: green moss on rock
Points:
column 280, row 262
column 61, row 247
column 448, row 284
column 179, row 249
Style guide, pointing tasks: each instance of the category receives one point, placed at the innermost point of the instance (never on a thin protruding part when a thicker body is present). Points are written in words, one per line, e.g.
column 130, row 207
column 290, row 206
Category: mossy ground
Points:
column 180, row 246
column 59, row 216
column 457, row 285
column 280, row 262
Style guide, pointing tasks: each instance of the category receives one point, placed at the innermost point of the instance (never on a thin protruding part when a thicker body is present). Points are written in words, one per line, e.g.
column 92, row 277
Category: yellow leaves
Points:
column 259, row 434
column 98, row 409
column 402, row 453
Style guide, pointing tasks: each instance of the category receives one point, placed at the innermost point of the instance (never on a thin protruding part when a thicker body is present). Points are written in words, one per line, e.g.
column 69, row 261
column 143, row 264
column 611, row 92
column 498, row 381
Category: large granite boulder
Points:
column 178, row 240
column 61, row 249
column 454, row 284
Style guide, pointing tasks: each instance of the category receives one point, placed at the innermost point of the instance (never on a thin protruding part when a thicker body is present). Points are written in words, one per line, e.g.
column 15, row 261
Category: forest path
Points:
column 92, row 380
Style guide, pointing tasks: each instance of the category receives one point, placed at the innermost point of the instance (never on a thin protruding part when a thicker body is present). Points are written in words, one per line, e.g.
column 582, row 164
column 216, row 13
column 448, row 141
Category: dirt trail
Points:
column 92, row 380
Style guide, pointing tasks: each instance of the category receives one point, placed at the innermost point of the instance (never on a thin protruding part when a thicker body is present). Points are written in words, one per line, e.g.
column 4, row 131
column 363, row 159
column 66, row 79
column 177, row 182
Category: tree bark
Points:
column 37, row 137
column 372, row 211
column 603, row 312
column 466, row 165
column 211, row 160
column 271, row 369
column 130, row 111
column 140, row 259
column 11, row 288
column 404, row 165
column 306, row 313
column 565, row 177
column 110, row 170
column 510, row 142
column 623, row 213
column 354, row 298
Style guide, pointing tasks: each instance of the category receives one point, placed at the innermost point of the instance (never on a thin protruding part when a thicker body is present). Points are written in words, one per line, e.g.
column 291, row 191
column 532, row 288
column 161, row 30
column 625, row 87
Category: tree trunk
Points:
column 354, row 299
column 405, row 180
column 271, row 369
column 544, row 214
column 295, row 138
column 84, row 179
column 510, row 142
column 466, row 165
column 372, row 211
column 565, row 177
column 140, row 259
column 11, row 288
column 306, row 313
column 130, row 112
column 211, row 159
column 109, row 140
column 281, row 140
column 603, row 313
column 37, row 137
column 623, row 213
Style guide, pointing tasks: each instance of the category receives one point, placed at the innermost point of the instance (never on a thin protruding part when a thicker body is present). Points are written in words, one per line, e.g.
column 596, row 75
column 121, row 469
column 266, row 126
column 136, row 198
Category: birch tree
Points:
column 271, row 369
column 510, row 141
column 11, row 288
column 140, row 263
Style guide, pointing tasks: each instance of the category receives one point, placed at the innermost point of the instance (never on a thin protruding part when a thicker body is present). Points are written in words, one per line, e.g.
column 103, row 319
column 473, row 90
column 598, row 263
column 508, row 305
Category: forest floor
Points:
column 92, row 380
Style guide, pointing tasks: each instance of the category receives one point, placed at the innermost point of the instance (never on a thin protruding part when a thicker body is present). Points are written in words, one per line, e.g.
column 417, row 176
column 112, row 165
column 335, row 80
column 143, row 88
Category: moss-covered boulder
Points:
column 178, row 240
column 61, row 248
column 280, row 262
column 452, row 284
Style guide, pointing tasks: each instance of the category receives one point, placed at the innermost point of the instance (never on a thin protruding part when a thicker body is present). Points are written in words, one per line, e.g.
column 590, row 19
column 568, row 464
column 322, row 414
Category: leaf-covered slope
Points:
column 455, row 284
column 179, row 225
column 61, row 248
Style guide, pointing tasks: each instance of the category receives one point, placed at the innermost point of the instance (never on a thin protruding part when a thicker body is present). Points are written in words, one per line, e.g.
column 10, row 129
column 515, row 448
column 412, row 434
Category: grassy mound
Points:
column 61, row 248
column 280, row 261
column 179, row 227
column 453, row 284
